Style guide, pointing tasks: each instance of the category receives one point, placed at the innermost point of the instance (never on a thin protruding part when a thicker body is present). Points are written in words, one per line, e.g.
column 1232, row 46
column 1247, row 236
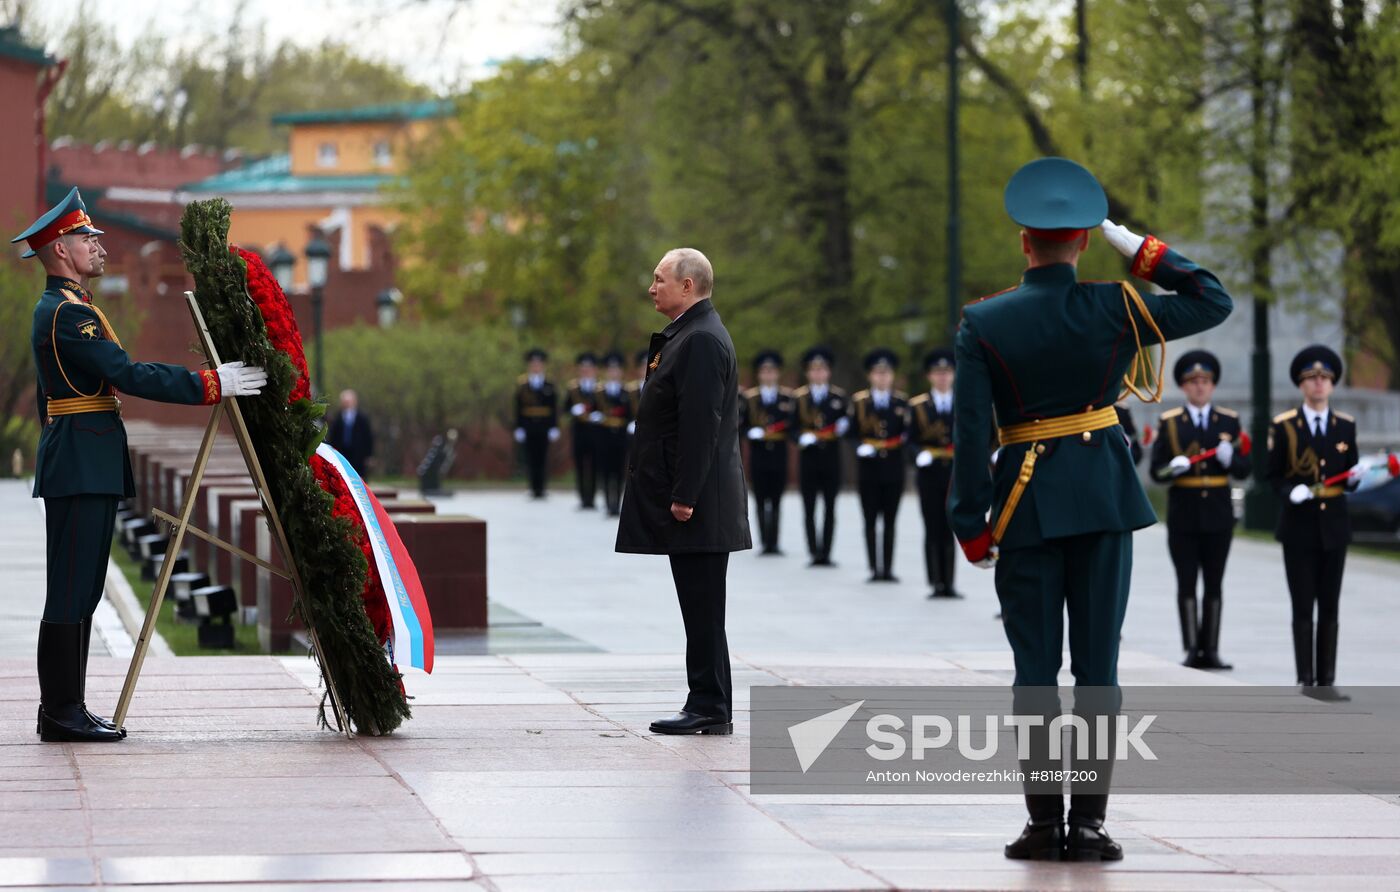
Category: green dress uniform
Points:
column 880, row 425
column 1306, row 448
column 766, row 418
column 1200, row 512
column 931, row 440
column 536, row 423
column 582, row 400
column 616, row 404
column 1043, row 362
column 820, row 424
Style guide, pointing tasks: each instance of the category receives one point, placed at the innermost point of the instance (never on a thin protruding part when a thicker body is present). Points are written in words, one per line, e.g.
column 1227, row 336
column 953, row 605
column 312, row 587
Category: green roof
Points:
column 12, row 46
column 393, row 111
column 274, row 174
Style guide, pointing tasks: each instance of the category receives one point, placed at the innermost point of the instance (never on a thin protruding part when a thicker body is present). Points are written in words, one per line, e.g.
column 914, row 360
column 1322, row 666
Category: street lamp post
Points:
column 318, row 267
column 954, row 223
column 915, row 329
column 283, row 265
column 388, row 306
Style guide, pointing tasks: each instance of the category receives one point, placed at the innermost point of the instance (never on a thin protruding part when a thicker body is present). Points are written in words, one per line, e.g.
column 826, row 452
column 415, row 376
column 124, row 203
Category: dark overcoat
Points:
column 686, row 447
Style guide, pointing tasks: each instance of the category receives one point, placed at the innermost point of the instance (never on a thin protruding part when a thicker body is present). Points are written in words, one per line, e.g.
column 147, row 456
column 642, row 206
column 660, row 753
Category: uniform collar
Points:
column 698, row 309
column 1311, row 416
column 63, row 283
column 1050, row 274
column 1203, row 413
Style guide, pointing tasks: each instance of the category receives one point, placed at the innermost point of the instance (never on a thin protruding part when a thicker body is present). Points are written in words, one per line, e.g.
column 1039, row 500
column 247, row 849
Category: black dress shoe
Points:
column 1089, row 842
column 1038, row 842
column 1211, row 660
column 1327, row 693
column 1194, row 660
column 889, row 577
column 692, row 723
column 944, row 593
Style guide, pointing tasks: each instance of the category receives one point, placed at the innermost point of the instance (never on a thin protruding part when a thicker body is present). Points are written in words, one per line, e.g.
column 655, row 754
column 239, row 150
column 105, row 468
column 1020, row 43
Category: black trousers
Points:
column 537, row 459
column 1199, row 555
column 79, row 541
column 700, row 587
column 879, row 500
column 585, row 465
column 938, row 535
column 1314, row 580
column 612, row 455
column 819, row 476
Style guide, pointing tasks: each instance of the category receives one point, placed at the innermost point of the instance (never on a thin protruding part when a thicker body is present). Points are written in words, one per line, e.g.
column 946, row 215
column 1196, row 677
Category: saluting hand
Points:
column 1123, row 239
column 681, row 512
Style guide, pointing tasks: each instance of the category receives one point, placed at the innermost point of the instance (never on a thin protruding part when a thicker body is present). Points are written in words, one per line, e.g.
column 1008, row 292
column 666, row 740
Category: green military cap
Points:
column 1055, row 199
column 67, row 217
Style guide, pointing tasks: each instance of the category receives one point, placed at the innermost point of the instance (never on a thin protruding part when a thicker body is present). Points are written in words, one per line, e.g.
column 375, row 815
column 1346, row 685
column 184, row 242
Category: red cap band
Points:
column 1056, row 235
column 59, row 228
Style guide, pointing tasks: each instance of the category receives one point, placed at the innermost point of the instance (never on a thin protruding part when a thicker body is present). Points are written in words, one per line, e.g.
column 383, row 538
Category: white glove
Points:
column 1361, row 469
column 843, row 424
column 1225, row 452
column 631, row 427
column 755, row 433
column 1179, row 465
column 996, row 454
column 237, row 379
column 1123, row 239
column 553, row 434
column 990, row 560
column 806, row 439
column 520, row 435
column 576, row 410
column 865, row 450
column 923, row 459
column 595, row 417
column 1300, row 494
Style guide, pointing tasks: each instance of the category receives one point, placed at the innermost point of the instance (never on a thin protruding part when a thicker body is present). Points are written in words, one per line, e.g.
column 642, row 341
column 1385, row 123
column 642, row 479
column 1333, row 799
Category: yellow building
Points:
column 332, row 178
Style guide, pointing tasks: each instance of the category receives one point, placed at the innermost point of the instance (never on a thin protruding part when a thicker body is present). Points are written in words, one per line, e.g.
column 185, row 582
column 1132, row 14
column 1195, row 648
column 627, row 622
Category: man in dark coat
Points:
column 685, row 495
column 350, row 433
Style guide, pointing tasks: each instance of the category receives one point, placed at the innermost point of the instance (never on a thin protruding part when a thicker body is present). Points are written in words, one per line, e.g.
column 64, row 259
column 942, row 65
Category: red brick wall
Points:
column 19, row 155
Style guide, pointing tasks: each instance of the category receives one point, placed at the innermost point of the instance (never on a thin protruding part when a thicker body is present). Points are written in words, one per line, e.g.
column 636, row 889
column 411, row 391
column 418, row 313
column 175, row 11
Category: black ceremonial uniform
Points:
column 617, row 405
column 1125, row 421
column 932, row 435
column 821, row 422
column 582, row 400
column 536, row 415
column 881, row 472
column 1200, row 521
column 768, row 454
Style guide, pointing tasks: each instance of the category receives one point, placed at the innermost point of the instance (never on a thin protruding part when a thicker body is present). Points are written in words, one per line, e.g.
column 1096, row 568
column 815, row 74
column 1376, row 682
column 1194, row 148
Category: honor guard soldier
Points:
column 536, row 419
column 634, row 392
column 582, row 400
column 879, row 424
column 1130, row 432
column 821, row 423
column 766, row 414
column 616, row 405
column 1309, row 448
column 1050, row 357
column 82, row 469
column 931, row 437
column 1198, row 449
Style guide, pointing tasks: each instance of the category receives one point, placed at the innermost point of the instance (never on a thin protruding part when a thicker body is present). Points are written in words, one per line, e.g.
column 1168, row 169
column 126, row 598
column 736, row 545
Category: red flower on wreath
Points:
column 277, row 315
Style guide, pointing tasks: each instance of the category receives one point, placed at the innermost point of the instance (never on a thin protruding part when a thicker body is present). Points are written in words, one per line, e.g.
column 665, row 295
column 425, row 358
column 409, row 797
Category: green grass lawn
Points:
column 183, row 639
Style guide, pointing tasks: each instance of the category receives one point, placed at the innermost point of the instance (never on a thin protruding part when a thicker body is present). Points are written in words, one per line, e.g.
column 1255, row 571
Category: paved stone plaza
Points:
column 532, row 770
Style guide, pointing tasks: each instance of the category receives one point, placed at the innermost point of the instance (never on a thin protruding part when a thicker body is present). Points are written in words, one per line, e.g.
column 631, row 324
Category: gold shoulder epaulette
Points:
column 861, row 395
column 836, row 391
column 1228, row 413
column 919, row 400
column 1344, row 416
column 802, row 391
column 632, row 386
column 573, row 382
column 522, row 379
column 785, row 391
column 1286, row 416
column 1172, row 413
column 750, row 393
column 901, row 395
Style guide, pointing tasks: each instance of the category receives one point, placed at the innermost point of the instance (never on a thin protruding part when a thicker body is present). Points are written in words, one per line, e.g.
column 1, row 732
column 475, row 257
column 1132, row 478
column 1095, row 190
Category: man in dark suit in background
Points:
column 350, row 433
column 685, row 495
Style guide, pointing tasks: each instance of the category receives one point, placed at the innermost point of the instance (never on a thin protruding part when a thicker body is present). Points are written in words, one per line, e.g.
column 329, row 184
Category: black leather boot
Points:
column 62, row 717
column 1303, row 652
column 83, row 650
column 1039, row 841
column 1186, row 613
column 1327, row 664
column 1209, row 641
column 1086, row 840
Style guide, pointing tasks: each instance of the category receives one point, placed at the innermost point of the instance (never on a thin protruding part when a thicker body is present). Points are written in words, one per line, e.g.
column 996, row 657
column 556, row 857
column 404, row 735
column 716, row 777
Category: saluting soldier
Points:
column 880, row 425
column 931, row 419
column 1200, row 514
column 582, row 400
column 766, row 413
column 82, row 469
column 821, row 423
column 616, row 405
column 1051, row 356
column 1308, row 446
column 536, row 418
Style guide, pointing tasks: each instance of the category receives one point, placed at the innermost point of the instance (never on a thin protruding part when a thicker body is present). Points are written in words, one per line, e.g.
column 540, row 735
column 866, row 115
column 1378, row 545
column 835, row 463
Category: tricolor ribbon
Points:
column 411, row 637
